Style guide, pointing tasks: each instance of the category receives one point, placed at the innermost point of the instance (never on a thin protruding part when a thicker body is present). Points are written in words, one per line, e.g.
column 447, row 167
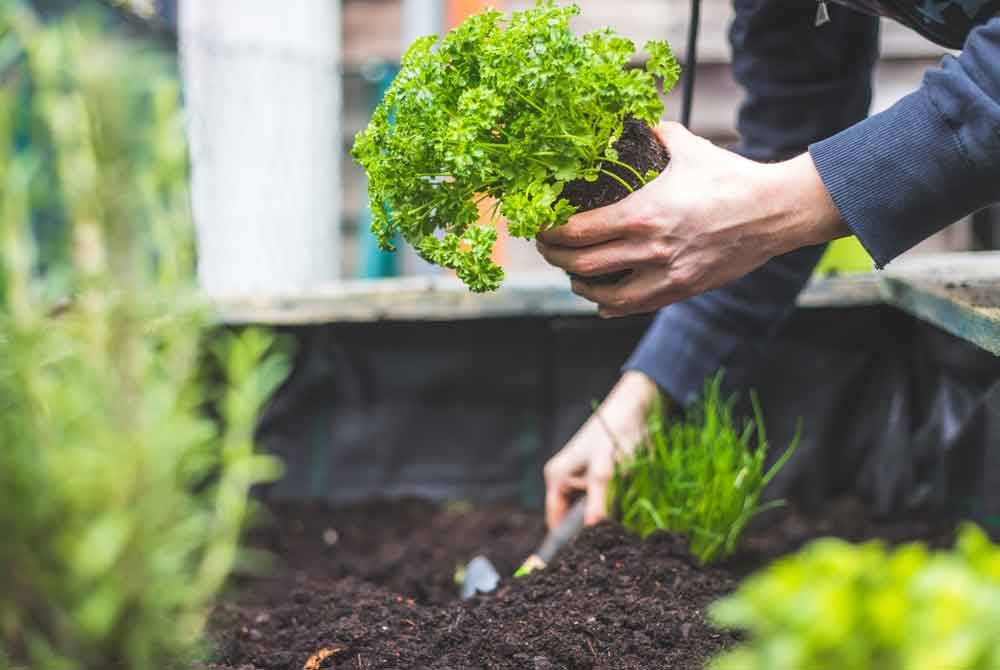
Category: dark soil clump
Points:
column 637, row 147
column 609, row 601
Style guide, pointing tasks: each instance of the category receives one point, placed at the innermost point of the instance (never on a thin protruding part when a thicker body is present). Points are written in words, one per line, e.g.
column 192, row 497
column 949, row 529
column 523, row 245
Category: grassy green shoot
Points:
column 700, row 475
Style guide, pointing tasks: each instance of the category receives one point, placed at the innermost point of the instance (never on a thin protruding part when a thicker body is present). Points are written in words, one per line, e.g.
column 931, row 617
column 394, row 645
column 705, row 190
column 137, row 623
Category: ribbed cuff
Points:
column 895, row 177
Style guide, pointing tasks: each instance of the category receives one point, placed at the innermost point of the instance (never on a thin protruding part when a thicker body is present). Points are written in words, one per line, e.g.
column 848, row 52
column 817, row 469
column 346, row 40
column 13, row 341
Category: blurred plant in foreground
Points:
column 122, row 496
column 837, row 606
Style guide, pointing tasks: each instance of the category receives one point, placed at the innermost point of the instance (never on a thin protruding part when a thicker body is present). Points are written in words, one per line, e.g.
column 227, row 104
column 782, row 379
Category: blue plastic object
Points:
column 374, row 262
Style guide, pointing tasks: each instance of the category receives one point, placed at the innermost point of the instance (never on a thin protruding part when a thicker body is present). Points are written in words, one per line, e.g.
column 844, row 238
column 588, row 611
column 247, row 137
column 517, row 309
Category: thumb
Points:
column 674, row 136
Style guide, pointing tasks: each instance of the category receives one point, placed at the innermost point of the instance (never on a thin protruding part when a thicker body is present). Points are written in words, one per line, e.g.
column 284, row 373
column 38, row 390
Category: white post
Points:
column 420, row 18
column 263, row 92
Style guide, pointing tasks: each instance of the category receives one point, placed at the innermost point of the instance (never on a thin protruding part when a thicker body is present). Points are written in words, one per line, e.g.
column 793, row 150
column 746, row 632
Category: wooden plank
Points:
column 438, row 298
column 843, row 291
column 446, row 299
column 959, row 293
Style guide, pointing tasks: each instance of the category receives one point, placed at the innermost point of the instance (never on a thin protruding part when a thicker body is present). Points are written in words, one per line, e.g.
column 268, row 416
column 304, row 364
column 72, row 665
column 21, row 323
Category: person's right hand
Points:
column 587, row 461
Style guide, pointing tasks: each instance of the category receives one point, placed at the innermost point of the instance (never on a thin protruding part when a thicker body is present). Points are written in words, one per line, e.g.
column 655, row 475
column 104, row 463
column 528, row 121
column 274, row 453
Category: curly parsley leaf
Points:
column 503, row 108
column 662, row 63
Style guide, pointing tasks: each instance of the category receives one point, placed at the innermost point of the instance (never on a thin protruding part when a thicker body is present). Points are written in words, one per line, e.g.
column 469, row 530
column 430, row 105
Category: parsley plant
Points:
column 504, row 108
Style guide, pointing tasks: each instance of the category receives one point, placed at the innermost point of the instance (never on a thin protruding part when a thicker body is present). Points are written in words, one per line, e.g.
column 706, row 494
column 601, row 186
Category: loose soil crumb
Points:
column 382, row 594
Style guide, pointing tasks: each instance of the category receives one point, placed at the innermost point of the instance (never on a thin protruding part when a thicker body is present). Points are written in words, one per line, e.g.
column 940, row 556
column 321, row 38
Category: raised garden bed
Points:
column 372, row 586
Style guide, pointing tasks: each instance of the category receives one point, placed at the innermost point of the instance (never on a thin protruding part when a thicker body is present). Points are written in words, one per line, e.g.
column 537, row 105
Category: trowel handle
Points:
column 562, row 534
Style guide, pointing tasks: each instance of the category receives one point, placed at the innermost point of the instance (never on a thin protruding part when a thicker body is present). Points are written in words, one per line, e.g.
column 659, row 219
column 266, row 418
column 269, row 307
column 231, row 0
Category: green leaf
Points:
column 662, row 63
column 837, row 605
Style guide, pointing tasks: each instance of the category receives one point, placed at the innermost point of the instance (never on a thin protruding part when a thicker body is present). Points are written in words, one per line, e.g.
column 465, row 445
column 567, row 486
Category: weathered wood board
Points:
column 959, row 293
column 444, row 298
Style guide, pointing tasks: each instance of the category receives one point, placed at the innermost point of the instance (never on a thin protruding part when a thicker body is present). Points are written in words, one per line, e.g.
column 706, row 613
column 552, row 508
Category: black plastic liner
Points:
column 893, row 409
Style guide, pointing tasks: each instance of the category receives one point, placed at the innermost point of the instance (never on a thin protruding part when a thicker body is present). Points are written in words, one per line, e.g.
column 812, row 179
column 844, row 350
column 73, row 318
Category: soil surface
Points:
column 637, row 147
column 372, row 586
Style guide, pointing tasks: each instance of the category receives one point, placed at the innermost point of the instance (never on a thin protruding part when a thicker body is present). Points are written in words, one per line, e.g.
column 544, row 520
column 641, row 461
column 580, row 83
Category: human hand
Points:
column 712, row 216
column 587, row 461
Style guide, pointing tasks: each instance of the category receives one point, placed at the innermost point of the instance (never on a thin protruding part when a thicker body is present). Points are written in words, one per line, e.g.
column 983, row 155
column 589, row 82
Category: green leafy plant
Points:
column 700, row 475
column 837, row 606
column 509, row 109
column 122, row 498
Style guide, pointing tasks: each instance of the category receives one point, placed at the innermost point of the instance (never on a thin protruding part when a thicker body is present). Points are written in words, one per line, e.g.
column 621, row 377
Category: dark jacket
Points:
column 896, row 177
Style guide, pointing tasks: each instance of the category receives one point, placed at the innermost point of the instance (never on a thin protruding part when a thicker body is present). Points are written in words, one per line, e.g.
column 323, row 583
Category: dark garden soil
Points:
column 371, row 586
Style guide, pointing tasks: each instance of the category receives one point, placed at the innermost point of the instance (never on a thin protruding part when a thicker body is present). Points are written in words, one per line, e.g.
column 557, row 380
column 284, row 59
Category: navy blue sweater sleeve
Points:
column 926, row 162
column 803, row 84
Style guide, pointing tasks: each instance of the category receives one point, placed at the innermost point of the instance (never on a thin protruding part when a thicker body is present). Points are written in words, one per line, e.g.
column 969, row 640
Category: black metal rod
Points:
column 691, row 63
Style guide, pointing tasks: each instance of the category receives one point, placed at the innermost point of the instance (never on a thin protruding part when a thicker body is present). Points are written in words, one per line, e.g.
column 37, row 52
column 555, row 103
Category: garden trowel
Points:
column 482, row 577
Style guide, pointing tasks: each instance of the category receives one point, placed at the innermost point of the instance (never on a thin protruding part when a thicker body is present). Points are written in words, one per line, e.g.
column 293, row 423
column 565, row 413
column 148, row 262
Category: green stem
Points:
column 528, row 100
column 563, row 136
column 618, row 179
column 479, row 189
column 540, row 162
column 495, row 213
column 627, row 167
column 416, row 210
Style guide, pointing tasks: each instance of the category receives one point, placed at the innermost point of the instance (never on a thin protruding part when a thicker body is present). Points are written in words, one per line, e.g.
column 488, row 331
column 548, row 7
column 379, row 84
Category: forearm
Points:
column 802, row 84
column 931, row 159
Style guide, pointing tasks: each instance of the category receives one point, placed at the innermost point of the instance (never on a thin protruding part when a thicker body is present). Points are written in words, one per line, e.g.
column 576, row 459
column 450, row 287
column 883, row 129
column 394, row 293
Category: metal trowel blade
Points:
column 480, row 577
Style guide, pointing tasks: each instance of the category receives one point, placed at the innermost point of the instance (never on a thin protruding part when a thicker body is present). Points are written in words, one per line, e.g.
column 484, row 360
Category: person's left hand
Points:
column 712, row 216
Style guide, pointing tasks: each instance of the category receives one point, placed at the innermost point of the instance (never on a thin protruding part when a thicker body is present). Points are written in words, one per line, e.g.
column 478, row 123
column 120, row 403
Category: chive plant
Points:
column 700, row 475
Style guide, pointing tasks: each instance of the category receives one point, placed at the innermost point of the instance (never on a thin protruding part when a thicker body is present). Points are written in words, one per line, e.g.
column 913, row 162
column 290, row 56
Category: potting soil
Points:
column 372, row 586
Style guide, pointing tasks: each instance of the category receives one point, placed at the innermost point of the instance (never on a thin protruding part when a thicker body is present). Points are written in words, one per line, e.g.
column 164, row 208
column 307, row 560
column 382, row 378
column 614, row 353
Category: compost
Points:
column 372, row 586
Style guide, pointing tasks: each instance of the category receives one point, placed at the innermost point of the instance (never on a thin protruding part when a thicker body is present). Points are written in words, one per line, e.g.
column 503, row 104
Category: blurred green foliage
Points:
column 700, row 475
column 126, row 421
column 844, row 256
column 836, row 606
